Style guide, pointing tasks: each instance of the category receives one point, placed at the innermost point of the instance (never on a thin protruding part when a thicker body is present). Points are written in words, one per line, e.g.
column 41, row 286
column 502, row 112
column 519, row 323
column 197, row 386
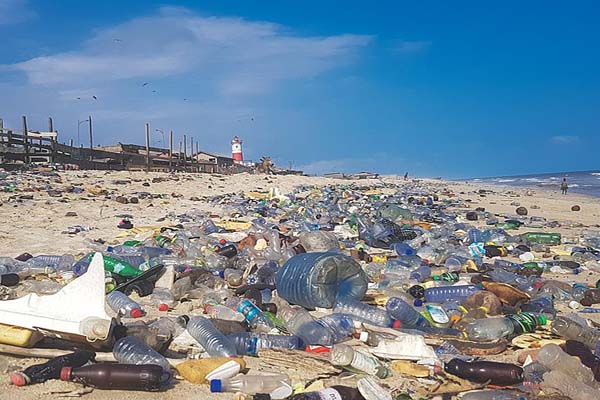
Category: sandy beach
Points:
column 39, row 225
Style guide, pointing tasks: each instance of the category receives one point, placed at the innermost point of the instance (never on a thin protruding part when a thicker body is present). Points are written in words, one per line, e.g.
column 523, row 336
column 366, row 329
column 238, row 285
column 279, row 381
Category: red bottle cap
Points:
column 65, row 374
column 397, row 324
column 222, row 242
column 136, row 313
column 163, row 307
column 18, row 379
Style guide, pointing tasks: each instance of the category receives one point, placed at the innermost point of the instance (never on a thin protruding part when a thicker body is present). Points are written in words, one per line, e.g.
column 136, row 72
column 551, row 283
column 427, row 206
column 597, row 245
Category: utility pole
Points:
column 184, row 152
column 147, row 147
column 91, row 140
column 25, row 140
column 197, row 161
column 192, row 152
column 171, row 150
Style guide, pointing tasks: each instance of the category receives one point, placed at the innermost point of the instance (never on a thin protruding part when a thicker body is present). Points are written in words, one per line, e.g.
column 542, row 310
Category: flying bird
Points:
column 117, row 40
column 79, row 98
column 185, row 99
column 146, row 83
column 154, row 91
column 94, row 97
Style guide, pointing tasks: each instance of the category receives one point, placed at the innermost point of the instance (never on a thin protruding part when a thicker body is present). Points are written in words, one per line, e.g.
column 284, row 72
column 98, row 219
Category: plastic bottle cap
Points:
column 216, row 386
column 163, row 307
column 222, row 242
column 65, row 374
column 418, row 302
column 136, row 313
column 363, row 336
column 397, row 324
column 18, row 379
column 543, row 320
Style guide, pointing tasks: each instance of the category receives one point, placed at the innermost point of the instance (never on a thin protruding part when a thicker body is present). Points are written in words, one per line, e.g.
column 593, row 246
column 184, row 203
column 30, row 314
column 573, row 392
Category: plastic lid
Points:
column 163, row 307
column 396, row 324
column 363, row 336
column 216, row 386
column 542, row 319
column 65, row 374
column 418, row 302
column 18, row 379
column 136, row 313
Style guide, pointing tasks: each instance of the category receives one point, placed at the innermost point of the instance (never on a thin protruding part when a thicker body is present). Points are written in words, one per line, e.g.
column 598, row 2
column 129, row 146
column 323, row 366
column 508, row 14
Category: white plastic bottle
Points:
column 278, row 386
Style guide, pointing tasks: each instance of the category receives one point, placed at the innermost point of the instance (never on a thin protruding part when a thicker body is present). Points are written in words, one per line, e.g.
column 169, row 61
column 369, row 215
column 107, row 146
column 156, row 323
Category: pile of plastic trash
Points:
column 337, row 292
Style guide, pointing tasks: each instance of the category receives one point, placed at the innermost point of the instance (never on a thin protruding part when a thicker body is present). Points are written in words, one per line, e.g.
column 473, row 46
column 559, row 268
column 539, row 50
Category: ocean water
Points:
column 584, row 182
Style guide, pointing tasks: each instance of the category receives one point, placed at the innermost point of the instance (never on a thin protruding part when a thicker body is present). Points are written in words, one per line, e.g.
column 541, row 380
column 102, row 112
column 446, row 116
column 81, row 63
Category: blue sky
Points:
column 436, row 88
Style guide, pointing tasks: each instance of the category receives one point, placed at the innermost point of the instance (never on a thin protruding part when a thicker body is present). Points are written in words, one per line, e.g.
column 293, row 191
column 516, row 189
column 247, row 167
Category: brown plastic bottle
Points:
column 591, row 296
column 482, row 371
column 116, row 376
column 575, row 348
column 331, row 393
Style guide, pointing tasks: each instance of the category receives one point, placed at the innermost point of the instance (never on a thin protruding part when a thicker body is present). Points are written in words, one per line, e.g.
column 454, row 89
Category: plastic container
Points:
column 17, row 336
column 163, row 298
column 585, row 355
column 254, row 316
column 247, row 343
column 130, row 350
column 170, row 327
column 318, row 279
column 494, row 328
column 327, row 330
column 570, row 329
column 443, row 294
column 552, row 357
column 277, row 386
column 222, row 312
column 345, row 356
column 116, row 376
column 406, row 314
column 121, row 303
column 363, row 312
column 212, row 340
column 421, row 273
column 550, row 239
column 403, row 249
column 483, row 371
column 336, row 392
column 558, row 381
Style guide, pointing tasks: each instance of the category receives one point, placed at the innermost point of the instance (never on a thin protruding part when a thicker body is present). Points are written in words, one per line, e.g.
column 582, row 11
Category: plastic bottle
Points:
column 551, row 239
column 346, row 356
column 248, row 343
column 403, row 249
column 444, row 294
column 120, row 267
column 222, row 312
column 570, row 329
column 492, row 395
column 540, row 305
column 170, row 327
column 116, row 376
column 233, row 277
column 421, row 273
column 58, row 263
column 494, row 328
column 212, row 340
column 482, row 371
column 590, row 296
column 405, row 313
column 255, row 317
column 336, row 392
column 318, row 279
column 327, row 330
column 51, row 369
column 551, row 356
column 163, row 298
column 130, row 350
column 363, row 312
column 278, row 386
column 558, row 381
column 319, row 241
column 586, row 356
column 121, row 303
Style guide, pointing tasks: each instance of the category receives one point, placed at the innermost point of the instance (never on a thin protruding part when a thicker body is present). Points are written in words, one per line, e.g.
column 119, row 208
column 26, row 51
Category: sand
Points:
column 39, row 226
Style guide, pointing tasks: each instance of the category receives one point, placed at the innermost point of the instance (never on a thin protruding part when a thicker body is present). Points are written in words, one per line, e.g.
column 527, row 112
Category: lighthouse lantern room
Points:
column 236, row 150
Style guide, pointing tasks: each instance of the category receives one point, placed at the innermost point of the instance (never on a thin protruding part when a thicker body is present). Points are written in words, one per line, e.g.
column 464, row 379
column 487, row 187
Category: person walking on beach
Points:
column 406, row 176
column 564, row 186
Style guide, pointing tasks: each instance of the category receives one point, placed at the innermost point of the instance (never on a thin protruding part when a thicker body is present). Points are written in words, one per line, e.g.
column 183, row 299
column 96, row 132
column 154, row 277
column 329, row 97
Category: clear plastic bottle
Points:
column 248, row 343
column 318, row 279
column 346, row 356
column 131, row 350
column 363, row 312
column 421, row 273
column 443, row 294
column 327, row 330
column 163, row 298
column 121, row 303
column 58, row 263
column 403, row 249
column 170, row 327
column 233, row 277
column 253, row 384
column 570, row 329
column 222, row 312
column 255, row 317
column 212, row 340
column 494, row 328
column 406, row 314
column 491, row 395
column 554, row 358
column 558, row 381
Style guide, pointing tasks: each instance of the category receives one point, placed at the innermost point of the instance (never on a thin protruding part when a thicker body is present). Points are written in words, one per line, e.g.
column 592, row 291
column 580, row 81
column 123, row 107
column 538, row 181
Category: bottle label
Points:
column 329, row 394
column 526, row 322
column 364, row 363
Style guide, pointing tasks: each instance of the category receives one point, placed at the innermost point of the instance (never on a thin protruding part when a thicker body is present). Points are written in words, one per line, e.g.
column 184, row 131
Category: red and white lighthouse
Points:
column 236, row 149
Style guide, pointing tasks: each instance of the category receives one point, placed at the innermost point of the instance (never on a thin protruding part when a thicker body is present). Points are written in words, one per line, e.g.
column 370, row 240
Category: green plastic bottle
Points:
column 120, row 267
column 550, row 239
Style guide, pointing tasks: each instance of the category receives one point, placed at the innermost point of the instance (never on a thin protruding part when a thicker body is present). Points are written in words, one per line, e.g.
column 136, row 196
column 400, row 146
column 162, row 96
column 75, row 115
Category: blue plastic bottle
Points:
column 405, row 313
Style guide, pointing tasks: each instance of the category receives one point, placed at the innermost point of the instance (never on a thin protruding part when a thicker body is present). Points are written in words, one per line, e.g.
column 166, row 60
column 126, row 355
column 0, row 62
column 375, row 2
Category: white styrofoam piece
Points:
column 78, row 308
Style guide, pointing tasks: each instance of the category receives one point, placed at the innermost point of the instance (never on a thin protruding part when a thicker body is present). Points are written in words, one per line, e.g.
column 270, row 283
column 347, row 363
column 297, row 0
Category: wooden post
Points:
column 25, row 140
column 179, row 153
column 171, row 150
column 50, row 125
column 192, row 153
column 197, row 161
column 70, row 142
column 91, row 141
column 147, row 147
column 184, row 152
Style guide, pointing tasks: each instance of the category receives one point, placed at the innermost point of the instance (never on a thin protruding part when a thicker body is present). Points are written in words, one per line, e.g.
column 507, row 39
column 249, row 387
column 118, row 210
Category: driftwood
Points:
column 298, row 364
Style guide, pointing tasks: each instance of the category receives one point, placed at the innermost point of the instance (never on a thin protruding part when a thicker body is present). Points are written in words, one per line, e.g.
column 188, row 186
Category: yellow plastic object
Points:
column 196, row 371
column 234, row 225
column 17, row 336
column 257, row 195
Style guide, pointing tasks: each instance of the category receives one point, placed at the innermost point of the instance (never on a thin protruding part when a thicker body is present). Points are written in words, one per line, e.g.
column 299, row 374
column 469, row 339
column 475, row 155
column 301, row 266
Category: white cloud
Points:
column 407, row 46
column 564, row 139
column 14, row 12
column 235, row 55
